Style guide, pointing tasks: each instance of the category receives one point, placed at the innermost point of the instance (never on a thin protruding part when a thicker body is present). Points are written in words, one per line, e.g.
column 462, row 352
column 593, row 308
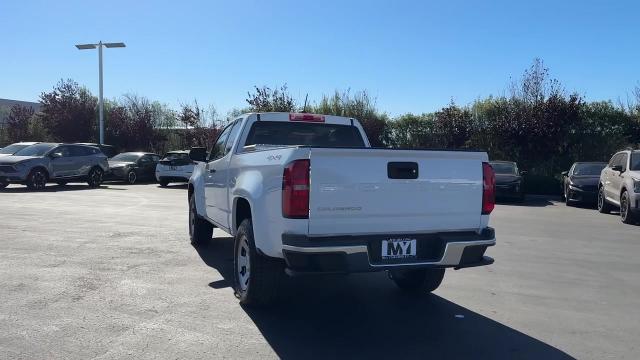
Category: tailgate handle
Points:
column 402, row 170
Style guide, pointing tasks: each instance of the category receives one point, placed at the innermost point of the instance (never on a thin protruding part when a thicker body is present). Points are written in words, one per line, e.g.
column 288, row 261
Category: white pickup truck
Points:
column 306, row 194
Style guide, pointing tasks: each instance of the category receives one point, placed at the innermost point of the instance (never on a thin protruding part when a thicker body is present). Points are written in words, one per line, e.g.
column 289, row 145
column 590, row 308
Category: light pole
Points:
column 100, row 102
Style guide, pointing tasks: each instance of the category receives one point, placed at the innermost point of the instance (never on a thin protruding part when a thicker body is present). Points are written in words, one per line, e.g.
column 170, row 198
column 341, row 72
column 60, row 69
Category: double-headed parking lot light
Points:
column 100, row 45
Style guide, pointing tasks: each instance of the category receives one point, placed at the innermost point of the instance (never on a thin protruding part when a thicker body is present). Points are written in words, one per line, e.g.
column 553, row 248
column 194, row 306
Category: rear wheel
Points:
column 37, row 179
column 132, row 177
column 626, row 215
column 200, row 230
column 603, row 205
column 163, row 183
column 418, row 280
column 95, row 177
column 257, row 277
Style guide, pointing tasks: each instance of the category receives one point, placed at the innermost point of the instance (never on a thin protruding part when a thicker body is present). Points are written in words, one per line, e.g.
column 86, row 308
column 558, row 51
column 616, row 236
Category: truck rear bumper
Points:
column 351, row 254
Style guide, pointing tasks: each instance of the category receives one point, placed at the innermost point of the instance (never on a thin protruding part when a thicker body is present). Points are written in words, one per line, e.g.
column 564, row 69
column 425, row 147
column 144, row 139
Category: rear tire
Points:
column 603, row 205
column 200, row 230
column 418, row 280
column 37, row 179
column 94, row 179
column 163, row 183
column 626, row 215
column 257, row 278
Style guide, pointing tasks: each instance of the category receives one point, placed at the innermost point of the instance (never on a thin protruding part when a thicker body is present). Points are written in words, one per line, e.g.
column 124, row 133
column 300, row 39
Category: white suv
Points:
column 620, row 186
column 176, row 166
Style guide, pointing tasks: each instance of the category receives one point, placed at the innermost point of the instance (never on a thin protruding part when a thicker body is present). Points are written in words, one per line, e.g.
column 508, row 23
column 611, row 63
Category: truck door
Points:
column 216, row 181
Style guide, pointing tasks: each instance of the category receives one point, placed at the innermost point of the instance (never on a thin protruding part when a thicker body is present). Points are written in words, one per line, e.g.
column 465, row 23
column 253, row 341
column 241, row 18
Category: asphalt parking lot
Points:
column 109, row 273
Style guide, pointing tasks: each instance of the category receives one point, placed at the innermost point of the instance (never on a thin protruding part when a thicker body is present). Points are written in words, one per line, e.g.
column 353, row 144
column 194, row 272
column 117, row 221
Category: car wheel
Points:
column 37, row 179
column 164, row 183
column 257, row 278
column 132, row 177
column 95, row 177
column 200, row 230
column 418, row 280
column 603, row 205
column 626, row 215
column 567, row 201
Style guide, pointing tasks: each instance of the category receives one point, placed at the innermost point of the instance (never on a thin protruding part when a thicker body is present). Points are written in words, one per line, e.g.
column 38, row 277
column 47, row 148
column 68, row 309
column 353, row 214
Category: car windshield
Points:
column 504, row 168
column 126, row 157
column 588, row 169
column 36, row 150
column 634, row 164
column 300, row 133
column 13, row 148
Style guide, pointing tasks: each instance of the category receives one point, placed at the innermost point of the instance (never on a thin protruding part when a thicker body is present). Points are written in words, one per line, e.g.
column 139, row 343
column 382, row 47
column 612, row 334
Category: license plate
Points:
column 398, row 248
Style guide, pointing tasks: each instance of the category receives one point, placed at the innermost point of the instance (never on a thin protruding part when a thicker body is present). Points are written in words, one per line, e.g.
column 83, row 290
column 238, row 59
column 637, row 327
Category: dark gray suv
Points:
column 38, row 164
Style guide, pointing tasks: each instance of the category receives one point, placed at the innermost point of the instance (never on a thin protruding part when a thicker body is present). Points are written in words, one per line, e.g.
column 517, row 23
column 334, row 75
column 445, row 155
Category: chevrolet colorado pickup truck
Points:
column 306, row 194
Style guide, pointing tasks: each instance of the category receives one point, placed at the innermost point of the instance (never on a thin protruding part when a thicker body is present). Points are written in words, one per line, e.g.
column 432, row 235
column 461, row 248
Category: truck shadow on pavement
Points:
column 365, row 316
column 530, row 201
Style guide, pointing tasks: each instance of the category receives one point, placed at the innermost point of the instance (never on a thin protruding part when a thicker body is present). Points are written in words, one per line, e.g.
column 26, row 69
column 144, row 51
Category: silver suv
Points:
column 619, row 186
column 38, row 164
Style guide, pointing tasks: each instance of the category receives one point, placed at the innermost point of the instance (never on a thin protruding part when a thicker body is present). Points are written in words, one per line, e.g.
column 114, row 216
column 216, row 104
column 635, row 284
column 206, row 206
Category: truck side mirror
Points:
column 617, row 168
column 55, row 155
column 198, row 154
column 565, row 173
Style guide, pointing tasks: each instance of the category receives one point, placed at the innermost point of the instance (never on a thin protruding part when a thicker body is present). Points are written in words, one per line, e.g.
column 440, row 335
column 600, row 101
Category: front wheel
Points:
column 626, row 215
column 37, row 179
column 257, row 277
column 200, row 230
column 95, row 177
column 418, row 280
column 603, row 205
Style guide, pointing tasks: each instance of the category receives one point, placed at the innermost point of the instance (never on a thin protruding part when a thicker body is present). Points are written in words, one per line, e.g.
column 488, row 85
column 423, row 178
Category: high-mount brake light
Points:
column 306, row 117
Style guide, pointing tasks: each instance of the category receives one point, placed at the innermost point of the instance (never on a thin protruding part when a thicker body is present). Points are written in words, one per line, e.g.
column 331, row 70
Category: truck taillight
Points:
column 488, row 189
column 306, row 117
column 295, row 190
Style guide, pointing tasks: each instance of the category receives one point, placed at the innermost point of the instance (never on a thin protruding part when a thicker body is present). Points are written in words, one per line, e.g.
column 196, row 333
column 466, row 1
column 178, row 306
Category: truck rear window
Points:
column 301, row 133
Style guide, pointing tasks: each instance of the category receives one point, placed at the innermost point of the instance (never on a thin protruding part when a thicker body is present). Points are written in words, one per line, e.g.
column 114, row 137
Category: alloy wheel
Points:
column 243, row 264
column 624, row 203
column 39, row 180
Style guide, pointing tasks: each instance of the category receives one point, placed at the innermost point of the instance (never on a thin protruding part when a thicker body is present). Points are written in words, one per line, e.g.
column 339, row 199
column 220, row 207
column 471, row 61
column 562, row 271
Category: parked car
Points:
column 509, row 180
column 304, row 193
column 36, row 165
column 619, row 186
column 109, row 150
column 133, row 166
column 14, row 148
column 176, row 166
column 580, row 183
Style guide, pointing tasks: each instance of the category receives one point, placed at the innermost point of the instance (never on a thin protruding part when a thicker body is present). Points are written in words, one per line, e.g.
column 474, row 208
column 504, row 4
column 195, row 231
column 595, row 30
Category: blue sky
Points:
column 414, row 56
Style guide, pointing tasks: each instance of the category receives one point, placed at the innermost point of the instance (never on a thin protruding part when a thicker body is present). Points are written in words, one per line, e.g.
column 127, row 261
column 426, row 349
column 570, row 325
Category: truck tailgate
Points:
column 384, row 191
